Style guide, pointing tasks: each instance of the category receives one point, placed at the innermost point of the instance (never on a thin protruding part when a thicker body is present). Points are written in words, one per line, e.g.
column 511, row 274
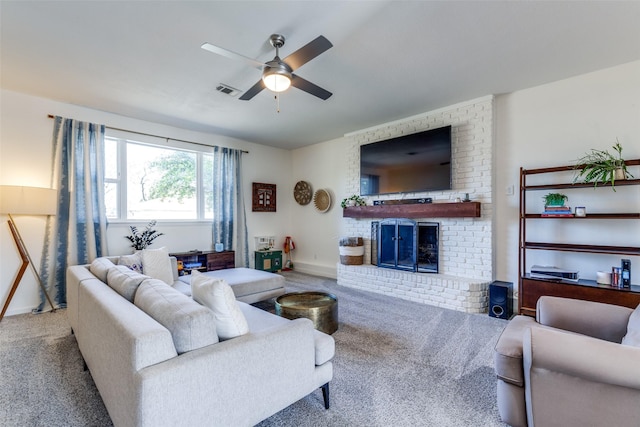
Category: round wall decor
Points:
column 302, row 192
column 322, row 200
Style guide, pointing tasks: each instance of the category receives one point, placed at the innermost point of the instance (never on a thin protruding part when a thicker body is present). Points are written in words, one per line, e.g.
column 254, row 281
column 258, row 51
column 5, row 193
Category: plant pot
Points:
column 619, row 174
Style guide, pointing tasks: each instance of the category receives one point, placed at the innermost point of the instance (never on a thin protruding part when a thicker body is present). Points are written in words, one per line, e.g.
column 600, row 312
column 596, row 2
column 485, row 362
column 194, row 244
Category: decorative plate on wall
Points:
column 322, row 200
column 302, row 192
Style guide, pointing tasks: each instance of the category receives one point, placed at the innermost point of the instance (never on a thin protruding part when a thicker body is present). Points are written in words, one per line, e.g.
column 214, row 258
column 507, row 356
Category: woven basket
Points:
column 351, row 251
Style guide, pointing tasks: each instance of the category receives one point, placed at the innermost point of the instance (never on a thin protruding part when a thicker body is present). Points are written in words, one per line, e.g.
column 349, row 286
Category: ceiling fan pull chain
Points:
column 277, row 97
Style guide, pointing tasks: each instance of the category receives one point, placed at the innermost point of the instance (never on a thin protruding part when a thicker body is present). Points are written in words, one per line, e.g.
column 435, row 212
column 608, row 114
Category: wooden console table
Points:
column 207, row 260
column 589, row 290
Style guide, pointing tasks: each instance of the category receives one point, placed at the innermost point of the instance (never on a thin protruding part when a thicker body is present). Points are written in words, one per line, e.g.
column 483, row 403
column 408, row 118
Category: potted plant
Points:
column 353, row 200
column 601, row 167
column 141, row 239
column 555, row 199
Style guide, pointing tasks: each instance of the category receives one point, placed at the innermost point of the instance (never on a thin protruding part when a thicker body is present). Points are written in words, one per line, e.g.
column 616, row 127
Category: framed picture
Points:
column 264, row 197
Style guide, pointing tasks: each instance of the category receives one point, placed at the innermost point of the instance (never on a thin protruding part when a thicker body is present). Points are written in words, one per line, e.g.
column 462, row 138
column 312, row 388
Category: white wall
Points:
column 25, row 159
column 316, row 234
column 553, row 125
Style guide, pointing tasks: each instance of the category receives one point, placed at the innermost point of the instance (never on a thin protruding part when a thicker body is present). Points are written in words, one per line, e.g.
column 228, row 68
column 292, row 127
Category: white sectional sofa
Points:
column 157, row 360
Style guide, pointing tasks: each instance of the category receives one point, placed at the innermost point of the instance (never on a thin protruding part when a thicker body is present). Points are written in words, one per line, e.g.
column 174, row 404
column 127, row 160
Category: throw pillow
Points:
column 218, row 296
column 633, row 329
column 134, row 262
column 124, row 281
column 99, row 268
column 192, row 326
column 156, row 264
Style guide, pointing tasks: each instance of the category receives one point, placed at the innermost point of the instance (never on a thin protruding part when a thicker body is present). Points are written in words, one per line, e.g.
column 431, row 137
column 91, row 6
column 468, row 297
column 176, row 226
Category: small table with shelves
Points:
column 531, row 289
column 268, row 260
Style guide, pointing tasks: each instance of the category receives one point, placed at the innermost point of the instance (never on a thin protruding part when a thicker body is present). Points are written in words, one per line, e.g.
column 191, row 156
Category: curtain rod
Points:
column 51, row 116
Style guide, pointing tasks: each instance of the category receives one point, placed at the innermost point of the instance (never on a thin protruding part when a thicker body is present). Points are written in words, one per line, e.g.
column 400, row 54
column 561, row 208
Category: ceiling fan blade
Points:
column 232, row 55
column 307, row 52
column 253, row 91
column 309, row 87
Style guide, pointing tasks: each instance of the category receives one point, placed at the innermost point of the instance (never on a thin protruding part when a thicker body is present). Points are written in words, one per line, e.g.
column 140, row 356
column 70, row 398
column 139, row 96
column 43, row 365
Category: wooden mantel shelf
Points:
column 425, row 210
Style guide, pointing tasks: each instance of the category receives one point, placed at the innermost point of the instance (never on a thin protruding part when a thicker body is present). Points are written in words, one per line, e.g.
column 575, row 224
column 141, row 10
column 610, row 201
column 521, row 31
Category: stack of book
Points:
column 557, row 211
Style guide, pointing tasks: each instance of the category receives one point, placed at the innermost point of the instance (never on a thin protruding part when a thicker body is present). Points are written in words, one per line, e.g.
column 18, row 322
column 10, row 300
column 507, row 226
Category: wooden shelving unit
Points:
column 418, row 210
column 530, row 289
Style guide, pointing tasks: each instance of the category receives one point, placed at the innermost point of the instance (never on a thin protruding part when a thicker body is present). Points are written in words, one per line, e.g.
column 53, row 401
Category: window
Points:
column 145, row 181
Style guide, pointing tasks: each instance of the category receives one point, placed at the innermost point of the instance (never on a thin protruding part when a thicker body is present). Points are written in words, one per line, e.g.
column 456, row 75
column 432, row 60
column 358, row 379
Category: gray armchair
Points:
column 568, row 366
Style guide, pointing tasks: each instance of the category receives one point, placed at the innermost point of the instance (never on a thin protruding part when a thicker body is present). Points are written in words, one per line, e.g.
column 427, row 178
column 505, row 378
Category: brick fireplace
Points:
column 465, row 265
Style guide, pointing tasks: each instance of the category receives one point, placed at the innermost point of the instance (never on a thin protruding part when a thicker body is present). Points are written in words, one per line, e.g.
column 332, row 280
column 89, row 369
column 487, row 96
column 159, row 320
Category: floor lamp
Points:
column 16, row 200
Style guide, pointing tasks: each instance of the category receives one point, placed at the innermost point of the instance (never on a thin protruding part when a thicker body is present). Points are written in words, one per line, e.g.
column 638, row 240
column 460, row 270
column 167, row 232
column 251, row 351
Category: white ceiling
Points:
column 391, row 59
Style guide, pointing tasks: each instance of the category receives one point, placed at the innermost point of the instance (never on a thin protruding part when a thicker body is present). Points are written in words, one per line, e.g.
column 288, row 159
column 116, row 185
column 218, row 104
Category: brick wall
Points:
column 466, row 244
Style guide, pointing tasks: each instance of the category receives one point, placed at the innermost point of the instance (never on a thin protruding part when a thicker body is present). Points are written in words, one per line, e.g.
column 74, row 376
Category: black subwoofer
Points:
column 500, row 294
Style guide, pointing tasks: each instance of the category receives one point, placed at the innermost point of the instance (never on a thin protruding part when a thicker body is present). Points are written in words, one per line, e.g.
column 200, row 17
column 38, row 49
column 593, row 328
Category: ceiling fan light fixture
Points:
column 276, row 77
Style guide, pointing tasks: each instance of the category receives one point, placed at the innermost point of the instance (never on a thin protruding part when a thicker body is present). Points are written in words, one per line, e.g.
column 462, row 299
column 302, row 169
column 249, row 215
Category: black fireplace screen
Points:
column 404, row 244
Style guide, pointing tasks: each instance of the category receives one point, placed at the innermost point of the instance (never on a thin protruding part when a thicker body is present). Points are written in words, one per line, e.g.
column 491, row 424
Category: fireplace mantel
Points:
column 418, row 210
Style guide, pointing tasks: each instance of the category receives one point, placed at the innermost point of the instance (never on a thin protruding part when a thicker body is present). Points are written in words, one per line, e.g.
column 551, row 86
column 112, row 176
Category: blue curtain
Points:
column 229, row 218
column 77, row 234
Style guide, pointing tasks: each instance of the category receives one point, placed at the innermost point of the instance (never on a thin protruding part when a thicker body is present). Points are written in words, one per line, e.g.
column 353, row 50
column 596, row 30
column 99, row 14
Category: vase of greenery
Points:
column 602, row 167
column 555, row 199
column 353, row 200
column 142, row 239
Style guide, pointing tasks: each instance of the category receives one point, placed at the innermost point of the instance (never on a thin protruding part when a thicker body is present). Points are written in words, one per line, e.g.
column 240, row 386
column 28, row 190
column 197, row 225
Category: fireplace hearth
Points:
column 404, row 244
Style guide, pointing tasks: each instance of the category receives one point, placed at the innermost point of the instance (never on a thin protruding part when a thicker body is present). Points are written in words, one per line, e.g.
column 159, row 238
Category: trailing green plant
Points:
column 555, row 199
column 142, row 239
column 599, row 166
column 353, row 200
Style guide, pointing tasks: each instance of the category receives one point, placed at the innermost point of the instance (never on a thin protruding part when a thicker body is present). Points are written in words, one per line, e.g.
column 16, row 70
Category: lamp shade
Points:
column 18, row 200
column 277, row 76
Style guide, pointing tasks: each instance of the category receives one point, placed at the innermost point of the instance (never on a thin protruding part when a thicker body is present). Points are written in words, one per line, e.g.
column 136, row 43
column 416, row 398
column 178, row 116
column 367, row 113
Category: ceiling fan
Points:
column 277, row 74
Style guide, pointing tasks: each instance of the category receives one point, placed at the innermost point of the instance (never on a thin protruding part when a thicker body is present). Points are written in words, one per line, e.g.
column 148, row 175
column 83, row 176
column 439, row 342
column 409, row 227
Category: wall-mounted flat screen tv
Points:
column 407, row 164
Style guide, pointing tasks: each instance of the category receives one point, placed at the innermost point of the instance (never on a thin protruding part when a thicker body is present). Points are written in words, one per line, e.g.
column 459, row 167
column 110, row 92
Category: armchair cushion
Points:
column 633, row 329
column 579, row 380
column 604, row 321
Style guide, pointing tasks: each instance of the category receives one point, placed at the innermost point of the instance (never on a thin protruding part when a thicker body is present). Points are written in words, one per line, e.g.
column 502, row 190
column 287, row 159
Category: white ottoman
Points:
column 248, row 285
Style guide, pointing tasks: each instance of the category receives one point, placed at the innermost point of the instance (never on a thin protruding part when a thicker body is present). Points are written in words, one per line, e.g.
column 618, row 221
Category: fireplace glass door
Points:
column 404, row 244
column 428, row 233
column 397, row 244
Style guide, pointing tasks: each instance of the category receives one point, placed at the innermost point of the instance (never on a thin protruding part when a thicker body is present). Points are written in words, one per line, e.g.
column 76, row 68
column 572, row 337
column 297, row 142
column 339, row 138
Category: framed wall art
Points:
column 264, row 197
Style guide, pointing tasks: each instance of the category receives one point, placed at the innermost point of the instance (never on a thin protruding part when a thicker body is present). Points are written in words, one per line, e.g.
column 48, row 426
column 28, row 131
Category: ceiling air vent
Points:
column 227, row 90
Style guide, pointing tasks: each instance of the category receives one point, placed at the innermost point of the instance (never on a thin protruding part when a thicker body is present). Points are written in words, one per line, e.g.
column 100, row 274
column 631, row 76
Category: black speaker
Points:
column 500, row 294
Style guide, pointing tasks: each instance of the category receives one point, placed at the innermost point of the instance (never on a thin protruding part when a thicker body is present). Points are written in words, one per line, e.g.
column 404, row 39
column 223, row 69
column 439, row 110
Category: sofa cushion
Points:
column 192, row 326
column 156, row 264
column 99, row 268
column 217, row 295
column 124, row 281
column 133, row 262
column 633, row 329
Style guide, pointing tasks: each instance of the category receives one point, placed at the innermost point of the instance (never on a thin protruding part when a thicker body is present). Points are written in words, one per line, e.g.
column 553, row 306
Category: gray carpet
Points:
column 397, row 363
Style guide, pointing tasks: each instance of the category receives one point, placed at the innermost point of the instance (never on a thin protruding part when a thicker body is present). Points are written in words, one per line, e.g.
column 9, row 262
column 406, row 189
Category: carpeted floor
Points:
column 397, row 363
